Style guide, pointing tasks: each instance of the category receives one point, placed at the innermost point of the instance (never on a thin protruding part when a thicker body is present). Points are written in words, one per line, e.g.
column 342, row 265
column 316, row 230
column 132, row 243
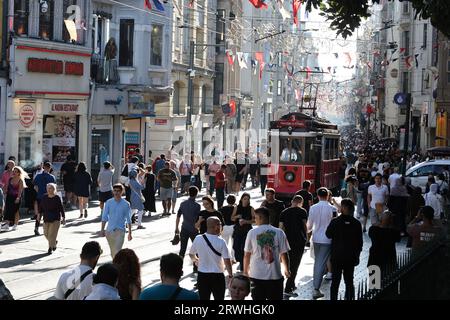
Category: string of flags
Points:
column 158, row 5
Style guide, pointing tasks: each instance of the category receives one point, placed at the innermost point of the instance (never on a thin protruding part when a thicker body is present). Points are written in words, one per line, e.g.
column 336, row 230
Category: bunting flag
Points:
column 408, row 62
column 417, row 61
column 261, row 68
column 369, row 65
column 402, row 50
column 147, row 5
column 329, row 69
column 308, row 72
column 295, row 7
column 258, row 4
column 232, row 108
column 289, row 70
column 254, row 64
column 230, row 56
column 191, row 4
column 259, row 56
column 284, row 13
column 348, row 59
column 297, row 94
column 336, row 55
column 158, row 5
column 241, row 61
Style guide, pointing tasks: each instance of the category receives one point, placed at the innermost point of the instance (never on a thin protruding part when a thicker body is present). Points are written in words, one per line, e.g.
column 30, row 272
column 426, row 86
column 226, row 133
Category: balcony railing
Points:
column 104, row 71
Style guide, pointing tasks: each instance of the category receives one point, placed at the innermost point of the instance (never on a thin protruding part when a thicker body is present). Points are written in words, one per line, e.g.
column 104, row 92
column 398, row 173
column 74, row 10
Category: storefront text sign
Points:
column 160, row 122
column 55, row 66
column 64, row 107
column 27, row 115
column 132, row 137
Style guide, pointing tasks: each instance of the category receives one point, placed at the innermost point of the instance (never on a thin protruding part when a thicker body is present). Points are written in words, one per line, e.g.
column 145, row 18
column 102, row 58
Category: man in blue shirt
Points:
column 190, row 210
column 40, row 185
column 171, row 267
column 117, row 213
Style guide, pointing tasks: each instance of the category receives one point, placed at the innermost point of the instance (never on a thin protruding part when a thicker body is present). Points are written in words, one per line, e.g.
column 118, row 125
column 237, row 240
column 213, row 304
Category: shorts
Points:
column 68, row 187
column 104, row 196
column 185, row 179
column 174, row 194
column 166, row 193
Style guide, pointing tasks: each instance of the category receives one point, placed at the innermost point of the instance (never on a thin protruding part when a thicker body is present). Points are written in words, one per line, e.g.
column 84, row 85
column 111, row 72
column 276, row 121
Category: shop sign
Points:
column 26, row 115
column 55, row 66
column 160, row 122
column 142, row 109
column 64, row 107
column 132, row 137
column 114, row 102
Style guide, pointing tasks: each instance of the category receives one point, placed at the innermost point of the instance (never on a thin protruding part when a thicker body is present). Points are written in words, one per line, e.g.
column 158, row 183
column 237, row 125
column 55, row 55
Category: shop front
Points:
column 108, row 107
column 46, row 116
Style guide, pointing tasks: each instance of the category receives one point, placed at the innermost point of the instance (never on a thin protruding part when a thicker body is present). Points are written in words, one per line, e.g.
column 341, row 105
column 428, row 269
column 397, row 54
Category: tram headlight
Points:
column 289, row 176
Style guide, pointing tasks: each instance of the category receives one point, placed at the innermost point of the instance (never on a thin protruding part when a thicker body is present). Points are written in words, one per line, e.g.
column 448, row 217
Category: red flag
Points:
column 295, row 7
column 259, row 56
column 308, row 72
column 233, row 108
column 230, row 57
column 408, row 62
column 147, row 5
column 191, row 4
column 259, row 3
column 261, row 68
column 402, row 50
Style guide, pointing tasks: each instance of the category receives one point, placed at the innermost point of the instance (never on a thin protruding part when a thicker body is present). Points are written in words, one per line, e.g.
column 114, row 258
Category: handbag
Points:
column 123, row 179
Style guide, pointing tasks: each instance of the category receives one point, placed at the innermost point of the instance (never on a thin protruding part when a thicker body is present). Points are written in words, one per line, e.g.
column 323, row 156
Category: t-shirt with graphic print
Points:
column 266, row 243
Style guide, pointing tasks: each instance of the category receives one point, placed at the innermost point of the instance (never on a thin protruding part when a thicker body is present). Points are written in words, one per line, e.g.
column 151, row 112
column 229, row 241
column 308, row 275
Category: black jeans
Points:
column 295, row 257
column 348, row 269
column 184, row 238
column 220, row 196
column 208, row 283
column 212, row 181
column 263, row 183
column 267, row 289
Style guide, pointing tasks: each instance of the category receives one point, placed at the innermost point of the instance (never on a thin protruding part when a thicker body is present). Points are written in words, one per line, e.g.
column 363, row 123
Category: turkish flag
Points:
column 370, row 109
column 147, row 5
column 295, row 7
column 258, row 3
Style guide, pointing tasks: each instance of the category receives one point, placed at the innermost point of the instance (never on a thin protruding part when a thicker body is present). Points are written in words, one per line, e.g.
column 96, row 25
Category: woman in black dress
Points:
column 243, row 215
column 149, row 191
column 383, row 253
column 82, row 182
column 210, row 211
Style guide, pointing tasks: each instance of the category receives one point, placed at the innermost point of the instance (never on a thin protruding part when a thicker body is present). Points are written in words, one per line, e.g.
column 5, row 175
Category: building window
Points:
column 204, row 99
column 218, row 83
column 406, row 42
column 448, row 71
column 424, row 81
column 405, row 7
column 46, row 15
column 69, row 22
column 126, row 42
column 220, row 27
column 279, row 87
column 200, row 39
column 21, row 13
column 156, row 41
column 176, row 98
column 425, row 36
column 178, row 34
column 405, row 83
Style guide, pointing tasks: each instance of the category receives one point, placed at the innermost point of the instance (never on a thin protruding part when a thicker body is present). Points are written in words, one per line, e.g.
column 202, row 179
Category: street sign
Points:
column 400, row 98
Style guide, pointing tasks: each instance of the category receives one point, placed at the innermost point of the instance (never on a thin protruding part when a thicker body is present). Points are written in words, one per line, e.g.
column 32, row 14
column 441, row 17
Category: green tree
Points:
column 346, row 15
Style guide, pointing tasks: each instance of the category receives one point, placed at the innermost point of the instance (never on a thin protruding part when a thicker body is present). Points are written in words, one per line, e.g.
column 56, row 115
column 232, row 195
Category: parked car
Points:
column 420, row 172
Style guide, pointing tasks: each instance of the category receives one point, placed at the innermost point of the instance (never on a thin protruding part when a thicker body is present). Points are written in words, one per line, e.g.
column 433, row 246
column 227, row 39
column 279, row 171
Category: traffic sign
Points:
column 400, row 98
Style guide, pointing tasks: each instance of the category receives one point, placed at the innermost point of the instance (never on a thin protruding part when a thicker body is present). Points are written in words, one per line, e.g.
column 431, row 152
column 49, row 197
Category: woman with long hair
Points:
column 82, row 182
column 13, row 195
column 129, row 283
column 6, row 175
column 52, row 210
column 243, row 216
column 210, row 211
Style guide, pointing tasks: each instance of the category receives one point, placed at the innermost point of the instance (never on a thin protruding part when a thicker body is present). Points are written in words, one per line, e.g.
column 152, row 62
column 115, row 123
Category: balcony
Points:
column 104, row 71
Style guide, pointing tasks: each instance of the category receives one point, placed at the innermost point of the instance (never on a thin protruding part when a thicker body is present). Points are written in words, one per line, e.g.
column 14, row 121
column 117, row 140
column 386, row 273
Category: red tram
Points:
column 302, row 147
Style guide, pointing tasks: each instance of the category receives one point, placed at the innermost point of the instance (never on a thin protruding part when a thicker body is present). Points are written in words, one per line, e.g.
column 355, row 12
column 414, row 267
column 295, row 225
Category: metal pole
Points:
column 408, row 111
column 190, row 92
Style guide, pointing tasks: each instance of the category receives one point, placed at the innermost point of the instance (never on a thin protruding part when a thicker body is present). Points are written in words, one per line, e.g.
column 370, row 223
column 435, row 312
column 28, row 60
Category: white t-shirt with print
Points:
column 379, row 194
column 209, row 262
column 266, row 243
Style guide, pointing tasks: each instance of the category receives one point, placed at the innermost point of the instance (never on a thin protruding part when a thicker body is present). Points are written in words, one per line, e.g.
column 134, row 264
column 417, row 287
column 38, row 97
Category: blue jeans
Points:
column 321, row 254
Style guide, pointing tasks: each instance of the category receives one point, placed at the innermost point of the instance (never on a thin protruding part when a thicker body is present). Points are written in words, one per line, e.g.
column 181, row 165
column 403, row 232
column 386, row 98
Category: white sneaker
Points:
column 329, row 276
column 4, row 227
column 14, row 228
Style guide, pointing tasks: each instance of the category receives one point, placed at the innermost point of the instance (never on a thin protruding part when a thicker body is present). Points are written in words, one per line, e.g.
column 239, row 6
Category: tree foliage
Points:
column 346, row 15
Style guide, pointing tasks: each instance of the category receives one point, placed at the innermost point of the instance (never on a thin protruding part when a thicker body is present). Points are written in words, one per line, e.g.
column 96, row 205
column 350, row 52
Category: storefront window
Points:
column 156, row 42
column 25, row 159
column 46, row 15
column 69, row 22
column 21, row 12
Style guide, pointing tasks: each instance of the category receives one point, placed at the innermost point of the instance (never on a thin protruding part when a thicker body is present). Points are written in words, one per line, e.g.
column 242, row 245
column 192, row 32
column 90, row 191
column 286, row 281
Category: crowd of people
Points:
column 266, row 243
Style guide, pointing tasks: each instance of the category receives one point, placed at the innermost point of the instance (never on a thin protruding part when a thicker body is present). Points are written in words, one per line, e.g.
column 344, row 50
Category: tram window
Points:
column 291, row 150
column 310, row 151
column 327, row 149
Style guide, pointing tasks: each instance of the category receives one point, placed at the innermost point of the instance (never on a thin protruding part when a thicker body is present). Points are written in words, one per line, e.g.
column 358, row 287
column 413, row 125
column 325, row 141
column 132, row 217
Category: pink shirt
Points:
column 5, row 180
column 213, row 169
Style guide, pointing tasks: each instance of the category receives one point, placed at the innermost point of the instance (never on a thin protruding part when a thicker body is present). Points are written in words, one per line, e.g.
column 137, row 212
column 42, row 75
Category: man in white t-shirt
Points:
column 319, row 219
column 210, row 252
column 394, row 177
column 76, row 284
column 378, row 195
column 265, row 246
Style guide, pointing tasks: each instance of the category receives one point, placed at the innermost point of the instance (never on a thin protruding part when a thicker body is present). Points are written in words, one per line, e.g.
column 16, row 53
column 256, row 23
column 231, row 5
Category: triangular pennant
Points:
column 241, row 61
column 158, row 5
column 147, row 5
column 261, row 68
column 295, row 7
column 258, row 4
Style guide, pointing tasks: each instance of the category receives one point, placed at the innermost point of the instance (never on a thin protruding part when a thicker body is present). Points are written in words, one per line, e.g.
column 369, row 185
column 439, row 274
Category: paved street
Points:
column 30, row 273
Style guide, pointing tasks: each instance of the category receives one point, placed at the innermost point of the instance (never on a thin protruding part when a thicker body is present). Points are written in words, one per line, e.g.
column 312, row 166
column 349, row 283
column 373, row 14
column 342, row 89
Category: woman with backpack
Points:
column 82, row 182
